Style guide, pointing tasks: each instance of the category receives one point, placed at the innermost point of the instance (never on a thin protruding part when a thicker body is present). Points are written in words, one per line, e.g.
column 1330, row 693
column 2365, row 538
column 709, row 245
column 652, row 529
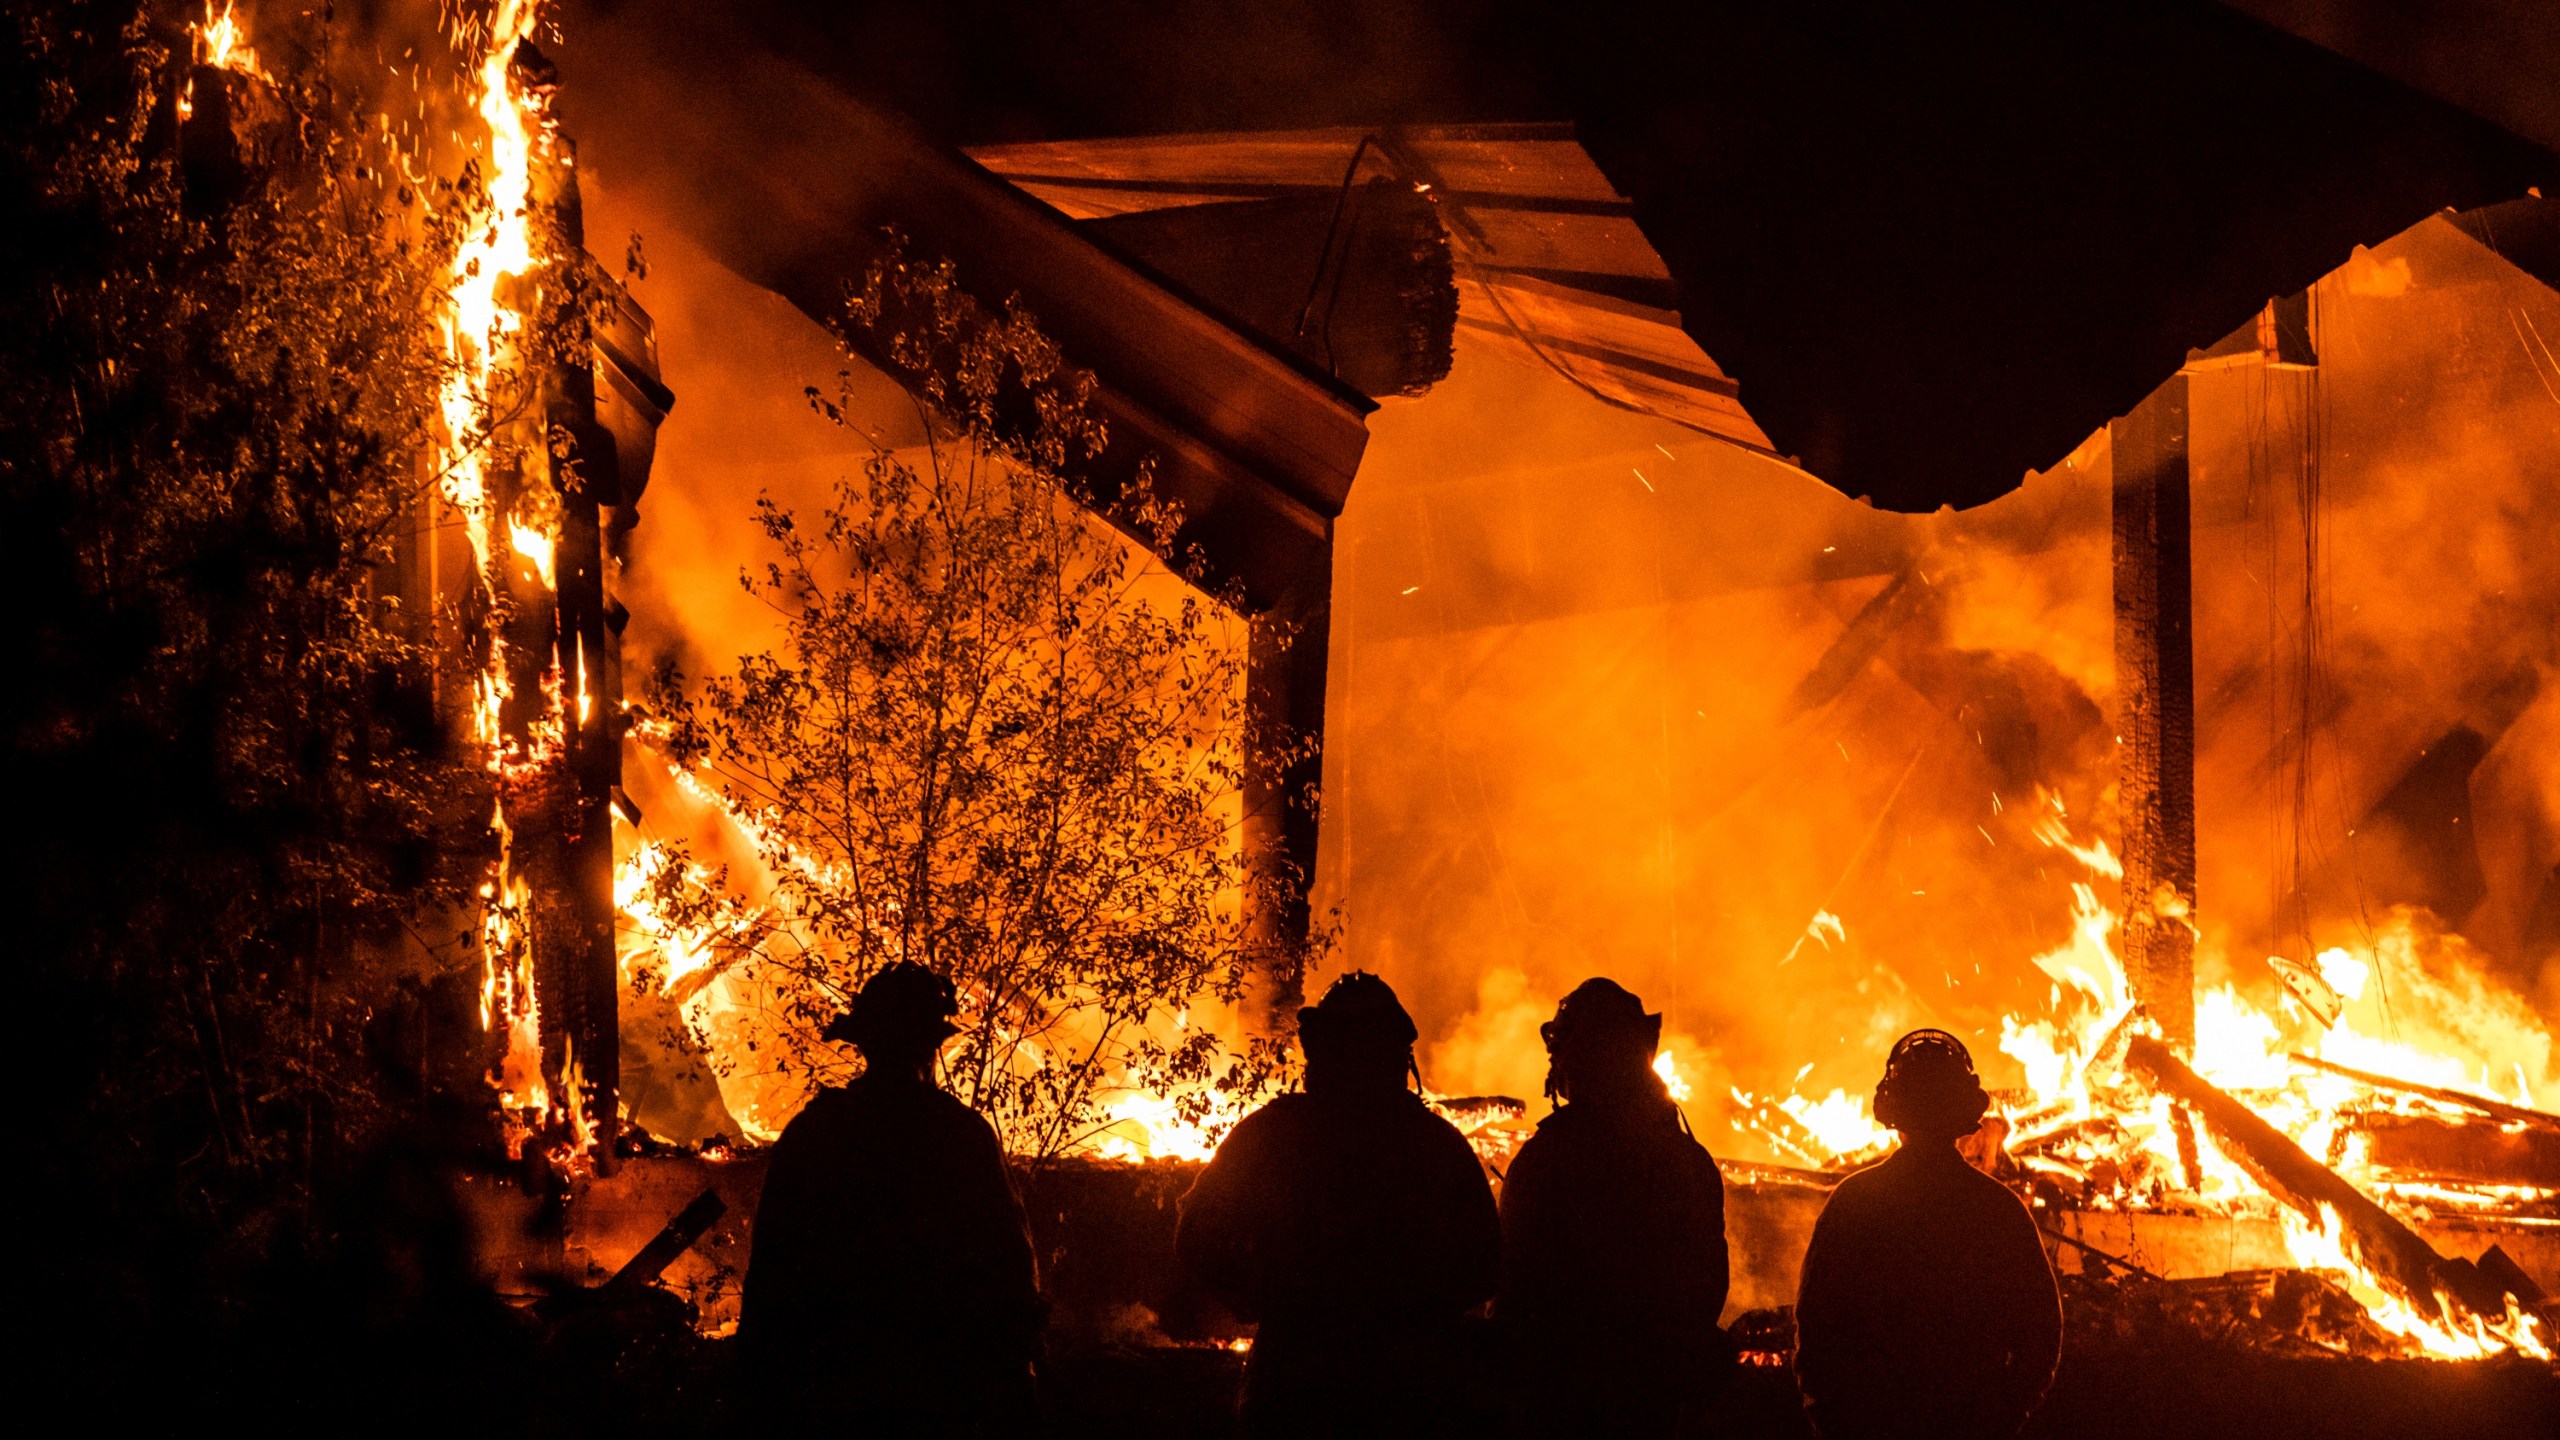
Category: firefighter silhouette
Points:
column 1355, row 1226
column 1927, row 1306
column 891, row 1288
column 1613, row 1254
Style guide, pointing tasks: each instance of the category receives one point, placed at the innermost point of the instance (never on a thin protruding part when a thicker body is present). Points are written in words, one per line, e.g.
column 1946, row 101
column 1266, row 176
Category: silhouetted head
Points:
column 900, row 1018
column 1357, row 1037
column 1929, row 1091
column 1601, row 1044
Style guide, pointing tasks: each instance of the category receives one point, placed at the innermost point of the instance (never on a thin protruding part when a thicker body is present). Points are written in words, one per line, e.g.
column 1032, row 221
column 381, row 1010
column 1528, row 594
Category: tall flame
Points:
column 477, row 325
column 222, row 42
column 485, row 330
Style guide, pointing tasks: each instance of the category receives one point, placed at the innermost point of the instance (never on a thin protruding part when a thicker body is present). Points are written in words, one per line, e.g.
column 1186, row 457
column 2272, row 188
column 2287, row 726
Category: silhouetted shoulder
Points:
column 1861, row 1189
column 1281, row 1115
column 944, row 1111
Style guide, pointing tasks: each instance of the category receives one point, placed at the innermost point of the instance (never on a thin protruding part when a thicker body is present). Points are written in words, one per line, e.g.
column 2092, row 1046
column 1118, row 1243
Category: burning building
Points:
column 2206, row 776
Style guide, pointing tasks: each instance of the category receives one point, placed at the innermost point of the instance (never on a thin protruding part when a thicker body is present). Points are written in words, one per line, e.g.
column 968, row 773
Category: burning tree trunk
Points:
column 2389, row 1250
column 2155, row 688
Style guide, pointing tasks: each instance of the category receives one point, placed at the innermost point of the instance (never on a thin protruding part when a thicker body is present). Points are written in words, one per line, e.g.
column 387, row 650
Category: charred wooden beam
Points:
column 2477, row 1153
column 2156, row 707
column 593, row 452
column 689, row 1225
column 1284, row 696
column 1865, row 636
column 2482, row 1103
column 2389, row 1250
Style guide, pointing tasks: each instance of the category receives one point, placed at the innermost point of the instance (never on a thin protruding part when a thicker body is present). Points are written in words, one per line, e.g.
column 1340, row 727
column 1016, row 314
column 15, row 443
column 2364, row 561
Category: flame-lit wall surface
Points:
column 1598, row 705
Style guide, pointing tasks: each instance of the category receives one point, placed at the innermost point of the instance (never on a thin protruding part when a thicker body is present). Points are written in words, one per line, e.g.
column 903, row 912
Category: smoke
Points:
column 740, row 361
column 1608, row 698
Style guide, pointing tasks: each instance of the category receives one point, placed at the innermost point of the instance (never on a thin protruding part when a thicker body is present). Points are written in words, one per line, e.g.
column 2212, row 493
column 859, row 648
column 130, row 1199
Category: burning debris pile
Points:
column 2253, row 1126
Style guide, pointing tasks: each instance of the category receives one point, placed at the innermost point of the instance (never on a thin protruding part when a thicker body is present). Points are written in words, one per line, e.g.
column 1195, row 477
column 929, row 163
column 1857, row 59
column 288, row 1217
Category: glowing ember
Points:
column 222, row 43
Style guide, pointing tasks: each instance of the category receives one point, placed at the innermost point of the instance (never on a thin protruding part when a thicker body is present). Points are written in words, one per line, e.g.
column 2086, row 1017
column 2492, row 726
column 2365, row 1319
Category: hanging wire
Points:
column 1324, row 256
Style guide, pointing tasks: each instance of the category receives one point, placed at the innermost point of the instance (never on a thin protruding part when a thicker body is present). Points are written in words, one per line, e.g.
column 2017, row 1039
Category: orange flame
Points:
column 2445, row 1011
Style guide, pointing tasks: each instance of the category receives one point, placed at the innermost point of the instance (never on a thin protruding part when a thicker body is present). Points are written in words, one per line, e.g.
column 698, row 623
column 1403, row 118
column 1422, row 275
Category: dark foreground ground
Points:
column 686, row 1387
column 2155, row 1397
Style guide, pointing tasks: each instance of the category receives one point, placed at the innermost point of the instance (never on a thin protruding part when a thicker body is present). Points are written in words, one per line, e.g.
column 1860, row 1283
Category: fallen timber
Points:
column 688, row 1226
column 2464, row 1098
column 2469, row 1153
column 2372, row 1236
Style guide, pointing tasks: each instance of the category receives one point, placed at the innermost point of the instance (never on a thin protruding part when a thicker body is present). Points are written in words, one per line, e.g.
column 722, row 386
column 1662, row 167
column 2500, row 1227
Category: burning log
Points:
column 2391, row 1251
column 2486, row 1106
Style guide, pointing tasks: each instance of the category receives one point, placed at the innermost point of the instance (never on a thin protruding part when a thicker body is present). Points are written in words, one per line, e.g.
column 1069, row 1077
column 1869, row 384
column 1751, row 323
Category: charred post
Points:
column 573, row 935
column 2155, row 706
column 1284, row 695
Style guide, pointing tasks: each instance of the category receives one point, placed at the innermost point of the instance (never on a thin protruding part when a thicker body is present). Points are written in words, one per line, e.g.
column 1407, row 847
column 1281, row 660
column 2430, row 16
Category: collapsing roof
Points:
column 1936, row 245
column 1550, row 267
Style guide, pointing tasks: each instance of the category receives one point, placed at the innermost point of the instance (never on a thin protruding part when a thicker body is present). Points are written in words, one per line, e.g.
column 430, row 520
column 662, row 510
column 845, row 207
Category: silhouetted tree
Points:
column 233, row 796
column 994, row 739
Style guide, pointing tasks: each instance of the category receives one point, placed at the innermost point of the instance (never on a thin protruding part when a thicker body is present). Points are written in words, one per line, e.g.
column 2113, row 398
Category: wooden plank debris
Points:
column 2486, row 1106
column 689, row 1225
column 2370, row 1235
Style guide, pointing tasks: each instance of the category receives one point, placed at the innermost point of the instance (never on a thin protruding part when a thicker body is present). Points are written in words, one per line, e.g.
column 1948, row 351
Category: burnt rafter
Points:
column 1548, row 266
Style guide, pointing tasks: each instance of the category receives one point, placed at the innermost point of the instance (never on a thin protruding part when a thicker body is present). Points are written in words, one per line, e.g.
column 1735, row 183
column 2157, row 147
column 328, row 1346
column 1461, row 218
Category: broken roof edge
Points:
column 792, row 182
column 1573, row 222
